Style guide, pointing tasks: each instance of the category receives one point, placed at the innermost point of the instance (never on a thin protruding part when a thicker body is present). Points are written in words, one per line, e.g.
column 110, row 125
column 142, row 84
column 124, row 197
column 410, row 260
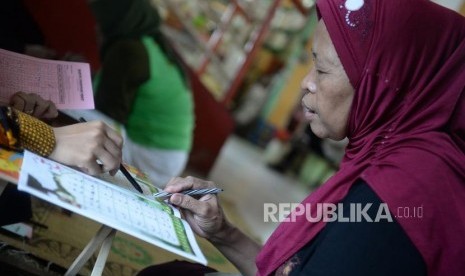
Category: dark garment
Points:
column 176, row 268
column 17, row 27
column 15, row 206
column 125, row 68
column 360, row 248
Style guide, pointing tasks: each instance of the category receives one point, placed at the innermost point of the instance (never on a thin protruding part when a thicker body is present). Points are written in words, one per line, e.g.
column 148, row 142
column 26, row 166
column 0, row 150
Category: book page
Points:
column 133, row 213
column 141, row 178
column 67, row 84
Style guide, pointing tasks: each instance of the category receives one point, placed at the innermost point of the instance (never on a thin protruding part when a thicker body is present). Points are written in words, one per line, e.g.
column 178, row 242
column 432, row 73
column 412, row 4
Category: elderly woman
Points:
column 390, row 76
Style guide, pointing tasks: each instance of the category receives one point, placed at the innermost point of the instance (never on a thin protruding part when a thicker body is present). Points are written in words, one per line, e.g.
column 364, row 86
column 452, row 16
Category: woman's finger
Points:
column 17, row 102
column 114, row 155
column 30, row 103
column 179, row 184
column 45, row 109
column 114, row 136
column 112, row 149
column 197, row 207
column 40, row 108
column 198, row 183
column 108, row 161
column 91, row 167
column 52, row 111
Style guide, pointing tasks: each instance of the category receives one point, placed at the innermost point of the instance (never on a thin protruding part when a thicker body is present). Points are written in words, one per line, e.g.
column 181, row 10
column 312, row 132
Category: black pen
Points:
column 130, row 178
column 123, row 170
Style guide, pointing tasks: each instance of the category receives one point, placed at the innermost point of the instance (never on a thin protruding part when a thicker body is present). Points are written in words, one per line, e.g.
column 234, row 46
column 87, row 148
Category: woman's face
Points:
column 327, row 92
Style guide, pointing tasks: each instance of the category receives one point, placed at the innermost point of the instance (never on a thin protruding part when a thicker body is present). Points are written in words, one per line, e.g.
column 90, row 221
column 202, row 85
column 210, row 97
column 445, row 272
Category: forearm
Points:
column 239, row 249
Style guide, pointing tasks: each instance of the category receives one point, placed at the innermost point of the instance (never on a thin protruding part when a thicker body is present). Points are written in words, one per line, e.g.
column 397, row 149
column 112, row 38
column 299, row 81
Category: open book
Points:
column 115, row 204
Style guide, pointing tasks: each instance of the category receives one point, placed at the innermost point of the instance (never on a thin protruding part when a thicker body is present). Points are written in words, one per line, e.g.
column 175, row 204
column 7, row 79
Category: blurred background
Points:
column 246, row 59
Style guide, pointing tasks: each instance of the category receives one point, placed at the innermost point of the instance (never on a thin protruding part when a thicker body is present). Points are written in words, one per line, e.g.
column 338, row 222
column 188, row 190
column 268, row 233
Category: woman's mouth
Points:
column 309, row 113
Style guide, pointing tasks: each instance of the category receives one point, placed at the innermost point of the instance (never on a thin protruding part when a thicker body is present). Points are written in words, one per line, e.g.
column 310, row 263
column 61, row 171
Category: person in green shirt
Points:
column 141, row 85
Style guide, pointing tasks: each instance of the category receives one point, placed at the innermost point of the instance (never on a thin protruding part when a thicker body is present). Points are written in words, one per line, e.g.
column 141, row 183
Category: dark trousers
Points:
column 176, row 268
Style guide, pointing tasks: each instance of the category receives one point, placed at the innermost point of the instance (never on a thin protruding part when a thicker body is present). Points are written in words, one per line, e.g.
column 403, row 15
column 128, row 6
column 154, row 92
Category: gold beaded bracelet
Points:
column 35, row 135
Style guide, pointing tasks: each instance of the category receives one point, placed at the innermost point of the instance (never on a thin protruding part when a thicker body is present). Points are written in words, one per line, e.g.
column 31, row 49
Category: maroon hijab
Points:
column 406, row 61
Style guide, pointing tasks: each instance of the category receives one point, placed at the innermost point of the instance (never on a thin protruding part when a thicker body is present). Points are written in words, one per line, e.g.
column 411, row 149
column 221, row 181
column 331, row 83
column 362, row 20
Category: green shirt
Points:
column 139, row 87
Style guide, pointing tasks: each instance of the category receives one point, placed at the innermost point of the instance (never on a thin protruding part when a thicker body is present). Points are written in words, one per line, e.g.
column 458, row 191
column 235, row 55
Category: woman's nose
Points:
column 308, row 83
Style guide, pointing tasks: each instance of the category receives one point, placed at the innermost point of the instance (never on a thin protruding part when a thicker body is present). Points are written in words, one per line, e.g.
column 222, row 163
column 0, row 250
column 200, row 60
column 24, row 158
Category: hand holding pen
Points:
column 204, row 214
column 123, row 169
column 81, row 145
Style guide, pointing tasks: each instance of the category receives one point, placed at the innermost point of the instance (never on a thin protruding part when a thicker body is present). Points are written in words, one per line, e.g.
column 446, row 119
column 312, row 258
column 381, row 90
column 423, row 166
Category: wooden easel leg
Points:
column 90, row 248
column 103, row 254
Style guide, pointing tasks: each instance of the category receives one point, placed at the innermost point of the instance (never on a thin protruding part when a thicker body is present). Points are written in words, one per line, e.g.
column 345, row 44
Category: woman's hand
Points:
column 205, row 215
column 207, row 219
column 82, row 145
column 39, row 51
column 34, row 105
